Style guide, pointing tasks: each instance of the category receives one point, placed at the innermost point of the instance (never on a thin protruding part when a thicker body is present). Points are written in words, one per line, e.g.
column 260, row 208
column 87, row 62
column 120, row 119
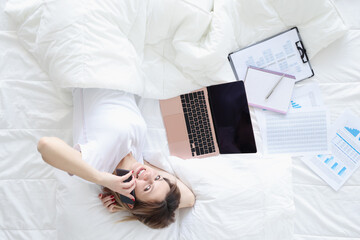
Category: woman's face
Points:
column 150, row 185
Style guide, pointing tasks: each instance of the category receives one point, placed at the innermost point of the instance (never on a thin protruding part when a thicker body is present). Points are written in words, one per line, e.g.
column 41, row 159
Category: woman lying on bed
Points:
column 109, row 133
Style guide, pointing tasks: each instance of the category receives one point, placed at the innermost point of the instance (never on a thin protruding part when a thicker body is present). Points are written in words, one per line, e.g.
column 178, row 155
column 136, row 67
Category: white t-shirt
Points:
column 107, row 125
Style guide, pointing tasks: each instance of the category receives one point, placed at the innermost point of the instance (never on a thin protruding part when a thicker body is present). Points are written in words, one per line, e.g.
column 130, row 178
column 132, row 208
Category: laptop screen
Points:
column 231, row 116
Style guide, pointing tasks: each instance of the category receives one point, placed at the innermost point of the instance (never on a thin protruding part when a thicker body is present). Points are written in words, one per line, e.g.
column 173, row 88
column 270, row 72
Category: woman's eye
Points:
column 147, row 188
column 157, row 177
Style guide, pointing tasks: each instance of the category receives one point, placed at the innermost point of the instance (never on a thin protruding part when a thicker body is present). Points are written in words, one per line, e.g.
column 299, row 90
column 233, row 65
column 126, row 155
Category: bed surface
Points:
column 34, row 204
column 322, row 213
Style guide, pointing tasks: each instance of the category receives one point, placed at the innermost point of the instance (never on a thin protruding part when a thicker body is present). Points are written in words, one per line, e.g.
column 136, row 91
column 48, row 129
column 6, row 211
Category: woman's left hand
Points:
column 108, row 202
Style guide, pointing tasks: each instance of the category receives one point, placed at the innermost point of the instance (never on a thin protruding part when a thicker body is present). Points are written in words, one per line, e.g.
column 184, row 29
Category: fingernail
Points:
column 133, row 199
column 100, row 194
column 113, row 200
column 112, row 196
column 132, row 171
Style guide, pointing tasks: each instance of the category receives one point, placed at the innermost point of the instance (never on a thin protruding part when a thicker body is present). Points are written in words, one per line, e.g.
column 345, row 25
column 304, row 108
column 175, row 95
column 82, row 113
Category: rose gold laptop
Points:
column 209, row 121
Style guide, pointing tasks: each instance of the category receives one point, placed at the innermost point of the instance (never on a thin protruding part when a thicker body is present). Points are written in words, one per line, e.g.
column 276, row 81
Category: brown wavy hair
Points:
column 153, row 214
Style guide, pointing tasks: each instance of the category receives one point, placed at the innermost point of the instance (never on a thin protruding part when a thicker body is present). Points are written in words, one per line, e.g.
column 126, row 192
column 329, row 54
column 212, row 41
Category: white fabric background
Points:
column 35, row 205
column 159, row 48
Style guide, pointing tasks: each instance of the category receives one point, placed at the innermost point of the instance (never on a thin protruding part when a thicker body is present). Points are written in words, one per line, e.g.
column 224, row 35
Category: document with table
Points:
column 303, row 130
column 298, row 132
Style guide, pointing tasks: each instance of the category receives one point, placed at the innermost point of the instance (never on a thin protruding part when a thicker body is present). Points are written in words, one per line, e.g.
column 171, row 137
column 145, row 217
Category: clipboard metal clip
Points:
column 302, row 51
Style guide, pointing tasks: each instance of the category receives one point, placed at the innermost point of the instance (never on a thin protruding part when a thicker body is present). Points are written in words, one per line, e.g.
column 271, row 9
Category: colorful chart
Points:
column 341, row 172
column 326, row 158
column 294, row 104
column 329, row 159
column 333, row 165
column 353, row 131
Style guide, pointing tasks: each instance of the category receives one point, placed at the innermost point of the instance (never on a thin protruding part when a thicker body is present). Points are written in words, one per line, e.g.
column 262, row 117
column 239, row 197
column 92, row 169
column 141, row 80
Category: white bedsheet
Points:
column 34, row 204
column 322, row 213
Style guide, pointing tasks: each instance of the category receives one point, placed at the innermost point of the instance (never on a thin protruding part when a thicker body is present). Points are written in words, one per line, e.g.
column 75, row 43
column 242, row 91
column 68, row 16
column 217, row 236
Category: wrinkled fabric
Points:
column 159, row 48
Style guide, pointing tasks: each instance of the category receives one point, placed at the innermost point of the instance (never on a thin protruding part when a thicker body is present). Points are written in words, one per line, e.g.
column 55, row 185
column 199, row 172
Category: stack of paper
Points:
column 303, row 130
column 332, row 153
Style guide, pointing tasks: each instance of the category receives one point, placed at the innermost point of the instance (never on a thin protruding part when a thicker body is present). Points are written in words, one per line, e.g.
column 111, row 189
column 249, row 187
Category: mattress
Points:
column 241, row 197
column 322, row 213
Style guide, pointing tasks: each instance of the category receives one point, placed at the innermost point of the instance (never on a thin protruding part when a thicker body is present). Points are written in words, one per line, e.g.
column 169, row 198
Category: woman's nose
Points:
column 146, row 175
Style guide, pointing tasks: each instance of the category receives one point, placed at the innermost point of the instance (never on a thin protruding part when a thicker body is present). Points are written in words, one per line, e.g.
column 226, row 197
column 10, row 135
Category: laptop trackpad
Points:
column 176, row 127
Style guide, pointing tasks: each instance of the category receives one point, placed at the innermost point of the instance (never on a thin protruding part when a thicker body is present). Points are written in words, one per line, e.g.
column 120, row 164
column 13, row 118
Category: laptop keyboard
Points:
column 197, row 123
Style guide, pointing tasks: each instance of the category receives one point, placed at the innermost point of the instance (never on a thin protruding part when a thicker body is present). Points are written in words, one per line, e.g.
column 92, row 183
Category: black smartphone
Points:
column 124, row 199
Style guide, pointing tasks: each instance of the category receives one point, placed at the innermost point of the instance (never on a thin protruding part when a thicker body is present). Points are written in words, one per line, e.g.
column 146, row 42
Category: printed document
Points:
column 300, row 132
column 306, row 97
column 344, row 160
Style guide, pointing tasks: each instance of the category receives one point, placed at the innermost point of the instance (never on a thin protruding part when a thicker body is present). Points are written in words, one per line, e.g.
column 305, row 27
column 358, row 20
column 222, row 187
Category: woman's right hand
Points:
column 117, row 184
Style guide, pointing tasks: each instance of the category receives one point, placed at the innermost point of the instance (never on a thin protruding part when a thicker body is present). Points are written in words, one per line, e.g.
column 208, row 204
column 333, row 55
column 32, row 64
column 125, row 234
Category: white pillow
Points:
column 81, row 215
column 319, row 22
column 237, row 197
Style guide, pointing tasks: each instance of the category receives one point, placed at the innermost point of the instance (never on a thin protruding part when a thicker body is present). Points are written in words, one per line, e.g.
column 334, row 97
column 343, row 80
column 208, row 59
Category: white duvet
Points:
column 155, row 49
column 159, row 48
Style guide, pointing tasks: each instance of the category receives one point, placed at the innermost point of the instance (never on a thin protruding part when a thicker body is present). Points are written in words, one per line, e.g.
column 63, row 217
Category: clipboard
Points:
column 284, row 52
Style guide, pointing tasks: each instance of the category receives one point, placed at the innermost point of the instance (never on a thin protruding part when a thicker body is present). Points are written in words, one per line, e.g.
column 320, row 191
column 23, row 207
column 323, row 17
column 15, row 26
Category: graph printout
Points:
column 337, row 167
column 299, row 132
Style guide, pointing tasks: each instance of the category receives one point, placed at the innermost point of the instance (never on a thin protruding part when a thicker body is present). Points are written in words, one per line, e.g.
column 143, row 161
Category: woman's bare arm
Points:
column 187, row 196
column 60, row 155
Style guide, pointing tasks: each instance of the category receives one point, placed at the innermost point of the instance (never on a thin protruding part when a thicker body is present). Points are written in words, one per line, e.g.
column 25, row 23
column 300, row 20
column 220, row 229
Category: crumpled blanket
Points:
column 159, row 48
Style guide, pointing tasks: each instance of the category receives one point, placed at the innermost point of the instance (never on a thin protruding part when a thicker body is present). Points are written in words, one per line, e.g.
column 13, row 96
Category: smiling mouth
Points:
column 141, row 170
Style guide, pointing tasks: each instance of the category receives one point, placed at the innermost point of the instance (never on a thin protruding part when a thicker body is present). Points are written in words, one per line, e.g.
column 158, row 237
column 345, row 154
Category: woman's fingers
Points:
column 117, row 184
column 101, row 195
column 128, row 193
column 108, row 198
column 126, row 176
column 130, row 196
column 129, row 185
column 112, row 208
column 108, row 202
